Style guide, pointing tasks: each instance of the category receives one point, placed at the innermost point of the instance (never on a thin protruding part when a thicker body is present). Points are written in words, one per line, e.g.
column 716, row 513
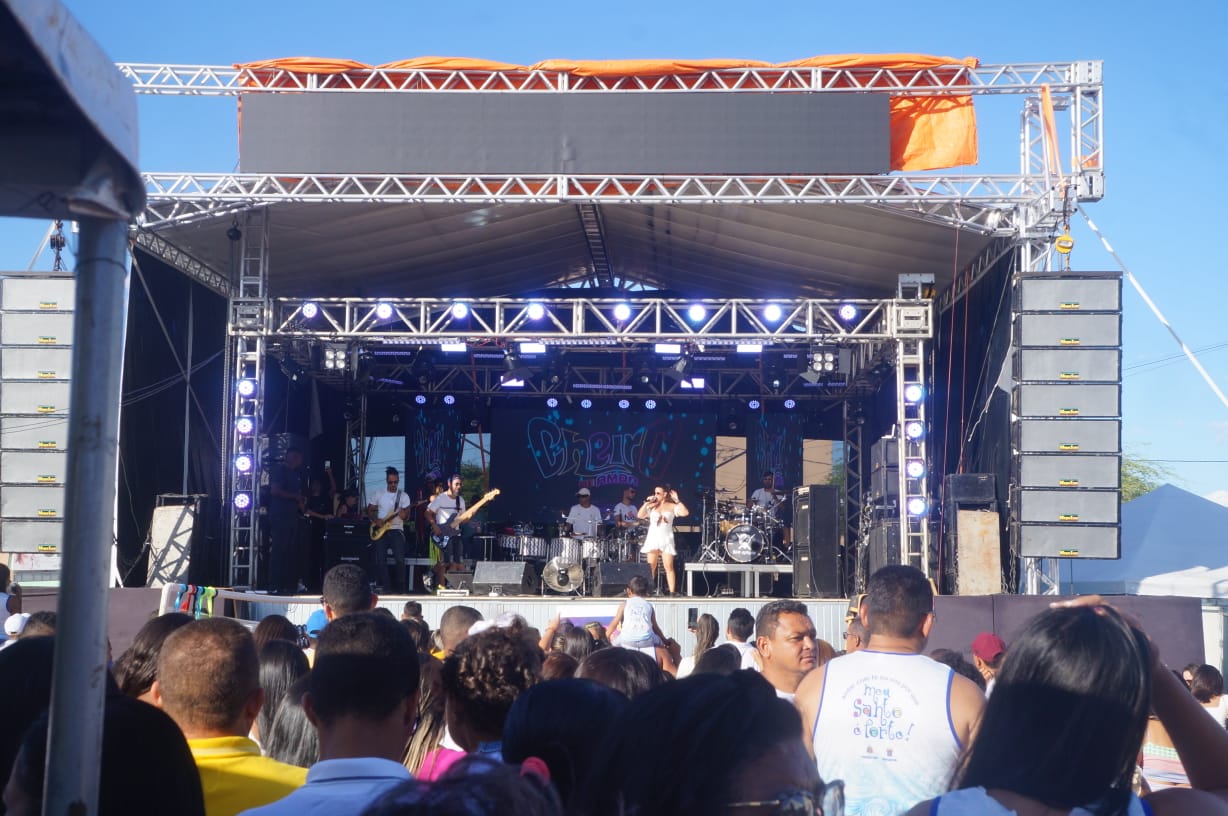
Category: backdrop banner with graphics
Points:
column 434, row 441
column 774, row 443
column 539, row 459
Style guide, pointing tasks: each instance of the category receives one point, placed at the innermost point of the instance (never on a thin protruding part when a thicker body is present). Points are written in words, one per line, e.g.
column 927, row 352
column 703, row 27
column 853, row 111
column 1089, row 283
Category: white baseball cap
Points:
column 584, row 491
column 15, row 623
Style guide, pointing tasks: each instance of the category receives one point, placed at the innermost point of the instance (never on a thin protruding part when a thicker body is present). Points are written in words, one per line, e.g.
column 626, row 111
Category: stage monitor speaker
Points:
column 172, row 537
column 1060, row 365
column 884, row 546
column 1068, row 330
column 460, row 580
column 1072, row 399
column 816, row 542
column 613, row 576
column 505, row 578
column 1082, row 292
column 1069, row 470
column 1067, row 435
column 1069, row 541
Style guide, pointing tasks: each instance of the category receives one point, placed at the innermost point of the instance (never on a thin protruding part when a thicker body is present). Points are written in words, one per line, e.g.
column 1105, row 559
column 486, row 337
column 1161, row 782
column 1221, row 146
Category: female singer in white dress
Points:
column 661, row 508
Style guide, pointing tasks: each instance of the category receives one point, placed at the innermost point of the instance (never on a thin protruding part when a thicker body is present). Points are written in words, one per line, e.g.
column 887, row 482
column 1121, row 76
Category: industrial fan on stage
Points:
column 563, row 576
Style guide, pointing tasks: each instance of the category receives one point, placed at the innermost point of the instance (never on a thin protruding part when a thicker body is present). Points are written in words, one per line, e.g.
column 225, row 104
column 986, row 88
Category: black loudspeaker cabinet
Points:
column 969, row 490
column 884, row 545
column 505, row 577
column 613, row 577
column 816, row 542
column 347, row 542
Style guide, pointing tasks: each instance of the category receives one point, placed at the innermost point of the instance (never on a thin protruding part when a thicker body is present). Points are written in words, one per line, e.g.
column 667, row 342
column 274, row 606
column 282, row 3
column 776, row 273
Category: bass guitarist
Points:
column 388, row 511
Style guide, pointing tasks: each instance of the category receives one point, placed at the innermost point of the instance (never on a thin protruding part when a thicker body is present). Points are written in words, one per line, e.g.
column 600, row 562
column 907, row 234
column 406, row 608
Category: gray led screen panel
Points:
column 577, row 133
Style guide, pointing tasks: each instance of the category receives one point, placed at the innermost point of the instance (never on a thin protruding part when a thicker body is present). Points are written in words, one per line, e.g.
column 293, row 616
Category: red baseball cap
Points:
column 988, row 646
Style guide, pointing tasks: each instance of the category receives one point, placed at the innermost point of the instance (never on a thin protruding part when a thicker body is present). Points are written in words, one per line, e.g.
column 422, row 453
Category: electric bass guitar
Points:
column 451, row 527
column 383, row 525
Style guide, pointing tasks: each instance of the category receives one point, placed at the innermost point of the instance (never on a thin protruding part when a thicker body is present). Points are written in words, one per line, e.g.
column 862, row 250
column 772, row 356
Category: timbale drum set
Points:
column 567, row 559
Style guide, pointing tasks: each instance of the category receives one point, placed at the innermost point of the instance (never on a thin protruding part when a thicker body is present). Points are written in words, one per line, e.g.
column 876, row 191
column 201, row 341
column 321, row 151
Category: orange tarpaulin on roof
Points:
column 927, row 132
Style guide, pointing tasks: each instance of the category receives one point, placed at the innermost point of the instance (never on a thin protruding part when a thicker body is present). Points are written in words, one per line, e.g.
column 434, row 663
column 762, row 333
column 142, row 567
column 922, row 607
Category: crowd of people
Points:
column 380, row 716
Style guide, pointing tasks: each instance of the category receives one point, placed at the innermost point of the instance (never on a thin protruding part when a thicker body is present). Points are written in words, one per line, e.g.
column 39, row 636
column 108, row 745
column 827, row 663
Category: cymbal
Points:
column 725, row 490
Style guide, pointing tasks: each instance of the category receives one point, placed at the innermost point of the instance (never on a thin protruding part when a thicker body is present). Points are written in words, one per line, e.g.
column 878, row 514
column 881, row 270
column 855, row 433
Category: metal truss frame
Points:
column 224, row 80
column 981, row 202
column 247, row 348
column 180, row 259
column 582, row 321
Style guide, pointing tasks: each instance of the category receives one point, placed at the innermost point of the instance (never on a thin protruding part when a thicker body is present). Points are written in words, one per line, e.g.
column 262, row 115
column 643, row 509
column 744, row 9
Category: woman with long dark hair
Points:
column 661, row 509
column 706, row 630
column 1062, row 730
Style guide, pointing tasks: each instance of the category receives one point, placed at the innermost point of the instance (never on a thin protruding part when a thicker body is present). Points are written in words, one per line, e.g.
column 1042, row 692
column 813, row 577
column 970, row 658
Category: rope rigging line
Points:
column 1155, row 310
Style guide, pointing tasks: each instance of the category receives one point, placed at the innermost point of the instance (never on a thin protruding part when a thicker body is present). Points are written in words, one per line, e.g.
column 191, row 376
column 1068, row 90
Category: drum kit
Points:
column 570, row 559
column 733, row 532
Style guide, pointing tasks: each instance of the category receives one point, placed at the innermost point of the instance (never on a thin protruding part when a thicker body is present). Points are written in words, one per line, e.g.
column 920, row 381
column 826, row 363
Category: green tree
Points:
column 475, row 479
column 1140, row 476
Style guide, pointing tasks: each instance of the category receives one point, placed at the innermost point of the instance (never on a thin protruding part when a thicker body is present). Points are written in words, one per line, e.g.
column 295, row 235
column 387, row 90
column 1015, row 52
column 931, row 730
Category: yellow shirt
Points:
column 235, row 777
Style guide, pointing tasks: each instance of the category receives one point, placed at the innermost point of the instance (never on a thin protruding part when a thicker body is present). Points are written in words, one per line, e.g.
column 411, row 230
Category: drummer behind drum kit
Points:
column 571, row 560
column 733, row 532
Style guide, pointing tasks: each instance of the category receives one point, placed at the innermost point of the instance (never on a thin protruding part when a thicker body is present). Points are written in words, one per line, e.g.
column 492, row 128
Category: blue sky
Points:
column 1164, row 131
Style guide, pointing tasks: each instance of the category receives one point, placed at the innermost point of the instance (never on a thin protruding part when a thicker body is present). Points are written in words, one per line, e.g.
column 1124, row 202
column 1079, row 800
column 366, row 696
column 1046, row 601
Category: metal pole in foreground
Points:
column 79, row 680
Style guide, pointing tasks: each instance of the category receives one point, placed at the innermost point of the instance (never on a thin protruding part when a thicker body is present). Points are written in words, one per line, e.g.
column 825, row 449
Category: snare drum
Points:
column 532, row 546
column 744, row 543
column 566, row 550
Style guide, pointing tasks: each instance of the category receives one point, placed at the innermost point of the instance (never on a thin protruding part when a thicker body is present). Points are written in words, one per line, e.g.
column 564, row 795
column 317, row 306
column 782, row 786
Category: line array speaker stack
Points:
column 36, row 336
column 816, row 542
column 1066, row 408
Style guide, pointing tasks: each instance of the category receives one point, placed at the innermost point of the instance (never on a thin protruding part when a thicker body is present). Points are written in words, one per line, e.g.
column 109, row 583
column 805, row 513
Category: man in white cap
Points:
column 585, row 520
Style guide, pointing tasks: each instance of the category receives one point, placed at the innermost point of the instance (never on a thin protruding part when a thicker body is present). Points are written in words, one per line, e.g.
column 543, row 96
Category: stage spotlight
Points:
column 790, row 404
column 754, row 405
column 383, row 311
column 913, row 393
column 552, row 402
column 915, row 468
column 420, row 399
column 667, row 348
column 460, row 311
column 536, row 311
column 772, row 313
column 242, row 501
column 246, row 388
column 309, row 310
column 696, row 313
column 449, row 399
column 773, row 379
column 624, row 404
column 644, row 375
column 245, row 425
column 621, row 312
column 586, row 403
column 749, row 348
column 917, row 506
column 681, row 370
column 453, row 347
column 514, row 368
column 914, row 430
column 532, row 347
column 847, row 312
column 651, row 404
column 243, row 463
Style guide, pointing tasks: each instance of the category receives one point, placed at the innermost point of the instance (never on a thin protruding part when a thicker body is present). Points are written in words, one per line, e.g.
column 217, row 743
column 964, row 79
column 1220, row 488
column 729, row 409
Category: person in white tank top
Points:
column 886, row 719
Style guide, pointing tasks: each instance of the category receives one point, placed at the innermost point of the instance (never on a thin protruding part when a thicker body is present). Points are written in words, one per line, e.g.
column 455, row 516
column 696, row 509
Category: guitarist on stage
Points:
column 389, row 509
column 442, row 513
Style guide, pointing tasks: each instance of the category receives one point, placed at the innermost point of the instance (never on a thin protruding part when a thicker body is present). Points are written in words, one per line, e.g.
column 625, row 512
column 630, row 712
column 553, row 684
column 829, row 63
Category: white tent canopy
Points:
column 1173, row 542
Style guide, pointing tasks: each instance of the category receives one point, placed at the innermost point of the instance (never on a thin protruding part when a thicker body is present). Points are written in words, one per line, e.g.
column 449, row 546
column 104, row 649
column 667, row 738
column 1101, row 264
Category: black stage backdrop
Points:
column 539, row 459
column 434, row 440
column 774, row 443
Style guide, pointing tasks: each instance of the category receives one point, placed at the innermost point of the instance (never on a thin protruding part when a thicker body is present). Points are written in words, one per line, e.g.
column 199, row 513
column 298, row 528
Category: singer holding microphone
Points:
column 661, row 508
